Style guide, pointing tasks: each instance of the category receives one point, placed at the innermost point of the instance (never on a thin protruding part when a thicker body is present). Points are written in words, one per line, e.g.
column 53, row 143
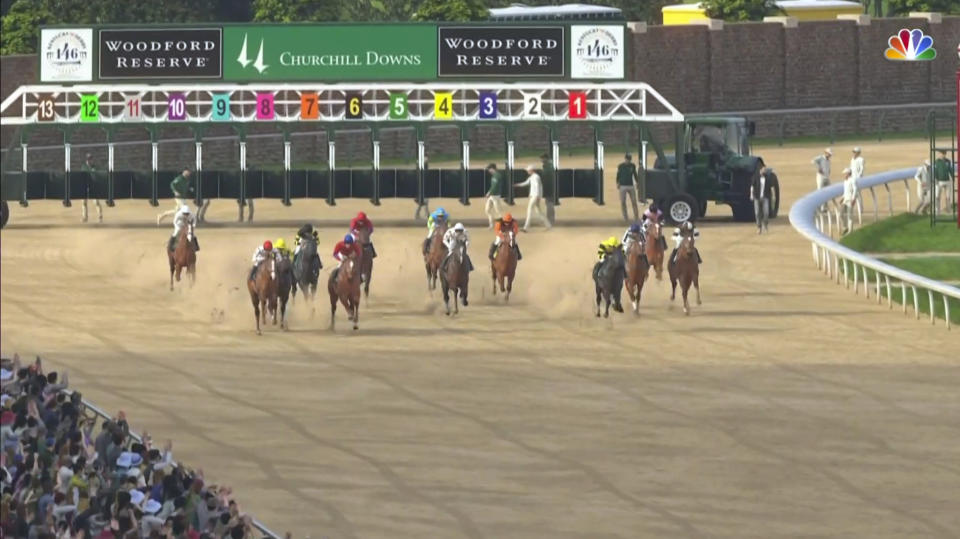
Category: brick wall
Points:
column 745, row 66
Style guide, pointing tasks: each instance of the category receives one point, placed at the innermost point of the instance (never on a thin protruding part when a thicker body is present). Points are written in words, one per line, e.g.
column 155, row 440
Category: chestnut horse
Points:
column 344, row 285
column 504, row 265
column 637, row 270
column 184, row 255
column 655, row 246
column 455, row 276
column 263, row 291
column 436, row 252
column 686, row 270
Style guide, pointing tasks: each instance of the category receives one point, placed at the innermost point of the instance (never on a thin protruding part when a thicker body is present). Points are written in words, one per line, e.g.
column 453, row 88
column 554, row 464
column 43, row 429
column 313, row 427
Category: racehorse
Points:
column 344, row 285
column 655, row 246
column 686, row 270
column 608, row 280
column 456, row 277
column 306, row 270
column 263, row 291
column 504, row 265
column 366, row 260
column 284, row 285
column 637, row 270
column 436, row 252
column 184, row 255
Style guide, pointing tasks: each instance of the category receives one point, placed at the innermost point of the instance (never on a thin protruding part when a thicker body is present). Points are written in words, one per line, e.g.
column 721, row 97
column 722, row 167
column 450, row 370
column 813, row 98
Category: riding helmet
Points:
column 507, row 217
column 267, row 246
column 459, row 226
column 635, row 228
column 348, row 239
column 362, row 216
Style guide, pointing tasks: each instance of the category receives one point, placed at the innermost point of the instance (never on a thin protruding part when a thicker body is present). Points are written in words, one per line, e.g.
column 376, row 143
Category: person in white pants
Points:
column 494, row 203
column 943, row 176
column 850, row 193
column 536, row 195
column 923, row 186
column 822, row 163
column 857, row 171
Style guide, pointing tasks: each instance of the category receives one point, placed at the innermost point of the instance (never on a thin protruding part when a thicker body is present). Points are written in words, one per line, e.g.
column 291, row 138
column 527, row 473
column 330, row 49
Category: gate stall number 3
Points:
column 177, row 107
column 488, row 105
column 89, row 108
column 264, row 106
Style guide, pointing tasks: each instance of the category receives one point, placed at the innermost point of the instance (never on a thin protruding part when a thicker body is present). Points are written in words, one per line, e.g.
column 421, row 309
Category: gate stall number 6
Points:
column 531, row 106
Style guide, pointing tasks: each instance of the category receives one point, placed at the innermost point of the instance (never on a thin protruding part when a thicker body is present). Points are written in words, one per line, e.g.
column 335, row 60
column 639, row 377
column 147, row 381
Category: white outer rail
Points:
column 834, row 259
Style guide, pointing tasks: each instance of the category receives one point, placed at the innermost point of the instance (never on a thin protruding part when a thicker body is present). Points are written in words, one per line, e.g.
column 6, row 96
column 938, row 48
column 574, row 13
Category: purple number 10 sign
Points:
column 177, row 107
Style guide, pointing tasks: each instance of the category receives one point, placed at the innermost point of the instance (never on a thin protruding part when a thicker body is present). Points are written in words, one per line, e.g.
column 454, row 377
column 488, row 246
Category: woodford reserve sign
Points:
column 335, row 52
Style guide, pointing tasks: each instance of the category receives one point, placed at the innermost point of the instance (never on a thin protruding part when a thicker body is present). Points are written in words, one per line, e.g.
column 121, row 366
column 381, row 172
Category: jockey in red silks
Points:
column 345, row 248
column 360, row 222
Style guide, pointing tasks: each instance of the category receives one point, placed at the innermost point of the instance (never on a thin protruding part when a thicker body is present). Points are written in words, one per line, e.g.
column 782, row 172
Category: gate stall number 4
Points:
column 443, row 105
column 531, row 106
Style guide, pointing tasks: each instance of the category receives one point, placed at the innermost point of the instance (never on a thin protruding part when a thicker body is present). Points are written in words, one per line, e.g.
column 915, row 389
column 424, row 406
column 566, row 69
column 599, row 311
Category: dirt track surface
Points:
column 784, row 406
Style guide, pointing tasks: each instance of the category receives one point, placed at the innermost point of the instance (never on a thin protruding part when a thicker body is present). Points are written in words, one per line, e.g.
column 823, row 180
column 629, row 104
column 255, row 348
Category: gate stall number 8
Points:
column 264, row 106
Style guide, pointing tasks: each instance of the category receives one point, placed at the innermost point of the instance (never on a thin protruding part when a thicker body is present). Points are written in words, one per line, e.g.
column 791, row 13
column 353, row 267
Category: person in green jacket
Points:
column 91, row 181
column 943, row 176
column 182, row 188
column 492, row 206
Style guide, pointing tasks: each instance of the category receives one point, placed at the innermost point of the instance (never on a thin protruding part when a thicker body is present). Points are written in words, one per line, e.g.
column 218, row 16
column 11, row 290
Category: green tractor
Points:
column 712, row 163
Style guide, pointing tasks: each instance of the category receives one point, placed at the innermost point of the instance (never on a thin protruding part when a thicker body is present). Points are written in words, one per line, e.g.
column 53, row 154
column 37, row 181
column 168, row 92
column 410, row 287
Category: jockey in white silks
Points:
column 450, row 239
column 182, row 219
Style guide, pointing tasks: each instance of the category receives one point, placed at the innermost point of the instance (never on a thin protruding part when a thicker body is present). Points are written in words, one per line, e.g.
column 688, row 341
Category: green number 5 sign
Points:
column 398, row 106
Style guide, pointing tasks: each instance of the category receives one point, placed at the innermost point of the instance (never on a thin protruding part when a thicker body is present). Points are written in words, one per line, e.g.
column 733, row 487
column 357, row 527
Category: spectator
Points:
column 627, row 185
column 857, row 171
column 91, row 180
column 536, row 195
column 822, row 163
column 923, row 186
column 943, row 175
column 760, row 195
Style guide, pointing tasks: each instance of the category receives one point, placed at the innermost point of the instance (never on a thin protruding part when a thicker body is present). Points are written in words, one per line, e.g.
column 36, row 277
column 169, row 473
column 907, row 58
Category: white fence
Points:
column 838, row 261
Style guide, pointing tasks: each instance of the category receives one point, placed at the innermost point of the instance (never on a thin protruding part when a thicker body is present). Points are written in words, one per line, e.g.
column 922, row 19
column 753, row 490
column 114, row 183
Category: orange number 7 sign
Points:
column 309, row 106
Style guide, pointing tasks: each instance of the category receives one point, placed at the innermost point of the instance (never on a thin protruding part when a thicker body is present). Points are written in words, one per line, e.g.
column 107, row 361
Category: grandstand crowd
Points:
column 66, row 474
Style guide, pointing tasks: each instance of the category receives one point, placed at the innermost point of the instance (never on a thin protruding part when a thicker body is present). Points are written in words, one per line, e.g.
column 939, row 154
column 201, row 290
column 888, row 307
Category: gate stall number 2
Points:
column 531, row 106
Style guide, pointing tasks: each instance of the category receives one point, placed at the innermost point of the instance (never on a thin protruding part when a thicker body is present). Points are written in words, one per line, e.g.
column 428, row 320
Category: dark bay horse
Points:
column 637, row 270
column 344, row 285
column 608, row 281
column 284, row 285
column 504, row 265
column 183, row 255
column 655, row 246
column 366, row 260
column 263, row 291
column 455, row 276
column 686, row 270
column 436, row 251
column 306, row 270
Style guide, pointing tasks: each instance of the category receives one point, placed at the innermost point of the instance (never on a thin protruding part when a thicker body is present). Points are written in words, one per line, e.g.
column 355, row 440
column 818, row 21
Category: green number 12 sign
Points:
column 89, row 108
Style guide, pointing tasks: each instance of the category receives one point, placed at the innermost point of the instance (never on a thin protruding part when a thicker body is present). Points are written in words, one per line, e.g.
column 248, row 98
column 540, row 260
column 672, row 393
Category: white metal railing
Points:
column 835, row 260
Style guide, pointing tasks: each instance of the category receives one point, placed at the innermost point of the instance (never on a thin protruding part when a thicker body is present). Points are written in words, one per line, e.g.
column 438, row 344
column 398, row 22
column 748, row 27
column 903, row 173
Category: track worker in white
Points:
column 850, row 192
column 494, row 202
column 857, row 170
column 923, row 186
column 536, row 196
column 822, row 163
column 760, row 195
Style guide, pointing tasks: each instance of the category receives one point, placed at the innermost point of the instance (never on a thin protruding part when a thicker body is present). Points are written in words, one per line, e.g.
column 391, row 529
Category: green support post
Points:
column 242, row 192
column 67, row 131
column 24, row 141
column 287, row 158
column 555, row 186
column 198, row 130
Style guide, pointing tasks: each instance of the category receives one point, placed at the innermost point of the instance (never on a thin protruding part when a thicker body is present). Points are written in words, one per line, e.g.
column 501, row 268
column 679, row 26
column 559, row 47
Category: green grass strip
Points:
column 904, row 233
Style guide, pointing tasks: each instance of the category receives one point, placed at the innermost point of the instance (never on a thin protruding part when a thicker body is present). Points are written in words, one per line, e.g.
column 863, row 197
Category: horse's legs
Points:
column 429, row 275
column 333, row 309
column 446, row 296
column 509, row 286
column 456, row 300
column 696, row 284
column 256, row 311
column 685, row 286
column 192, row 271
column 599, row 294
column 356, row 314
column 273, row 309
column 172, row 264
column 493, row 275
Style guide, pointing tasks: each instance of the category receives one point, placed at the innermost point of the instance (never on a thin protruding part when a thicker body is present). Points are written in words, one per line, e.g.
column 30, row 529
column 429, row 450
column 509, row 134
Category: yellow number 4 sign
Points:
column 443, row 105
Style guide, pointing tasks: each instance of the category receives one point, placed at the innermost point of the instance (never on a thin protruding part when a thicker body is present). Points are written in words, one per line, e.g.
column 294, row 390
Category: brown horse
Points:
column 263, row 291
column 436, row 252
column 686, row 270
column 366, row 260
column 344, row 285
column 284, row 285
column 655, row 245
column 456, row 277
column 183, row 255
column 637, row 270
column 504, row 265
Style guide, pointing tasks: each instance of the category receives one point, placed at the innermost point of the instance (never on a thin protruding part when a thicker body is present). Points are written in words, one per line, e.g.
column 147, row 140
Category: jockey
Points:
column 305, row 232
column 360, row 222
column 501, row 228
column 345, row 248
column 634, row 233
column 605, row 248
column 653, row 213
column 450, row 239
column 181, row 219
column 685, row 230
column 438, row 215
column 262, row 253
column 281, row 246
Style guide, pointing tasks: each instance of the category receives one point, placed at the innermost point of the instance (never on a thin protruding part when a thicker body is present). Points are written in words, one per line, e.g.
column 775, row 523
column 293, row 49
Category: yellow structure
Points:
column 802, row 10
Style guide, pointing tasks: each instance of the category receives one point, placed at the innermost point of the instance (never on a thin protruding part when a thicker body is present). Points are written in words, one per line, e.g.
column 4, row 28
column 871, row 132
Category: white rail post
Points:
column 466, row 155
column 243, row 155
column 946, row 310
column 903, row 295
column 555, row 153
column 510, row 149
column 890, row 199
column 876, row 207
column 421, row 155
column 933, row 310
column 906, row 185
column 376, row 155
column 845, row 283
column 66, row 157
column 879, row 297
column 110, row 148
column 916, row 302
column 155, row 156
column 886, row 279
column 199, row 155
column 287, row 155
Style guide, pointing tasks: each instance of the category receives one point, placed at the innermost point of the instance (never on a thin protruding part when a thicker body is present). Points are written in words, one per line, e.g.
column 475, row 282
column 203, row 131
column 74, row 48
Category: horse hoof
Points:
column 356, row 328
column 259, row 333
column 606, row 315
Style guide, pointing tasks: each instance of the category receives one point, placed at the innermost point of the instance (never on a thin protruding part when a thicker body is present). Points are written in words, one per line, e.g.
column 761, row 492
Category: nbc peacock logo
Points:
column 910, row 45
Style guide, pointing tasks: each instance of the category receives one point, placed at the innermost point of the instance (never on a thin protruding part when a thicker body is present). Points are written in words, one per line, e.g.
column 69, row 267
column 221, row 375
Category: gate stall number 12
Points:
column 89, row 108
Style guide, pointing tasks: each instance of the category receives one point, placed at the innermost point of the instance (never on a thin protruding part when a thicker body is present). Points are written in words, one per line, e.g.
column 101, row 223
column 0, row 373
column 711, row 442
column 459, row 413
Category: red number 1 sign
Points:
column 578, row 105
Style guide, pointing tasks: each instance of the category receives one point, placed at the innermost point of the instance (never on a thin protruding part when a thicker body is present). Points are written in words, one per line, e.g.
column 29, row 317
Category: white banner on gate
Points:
column 597, row 52
column 66, row 54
